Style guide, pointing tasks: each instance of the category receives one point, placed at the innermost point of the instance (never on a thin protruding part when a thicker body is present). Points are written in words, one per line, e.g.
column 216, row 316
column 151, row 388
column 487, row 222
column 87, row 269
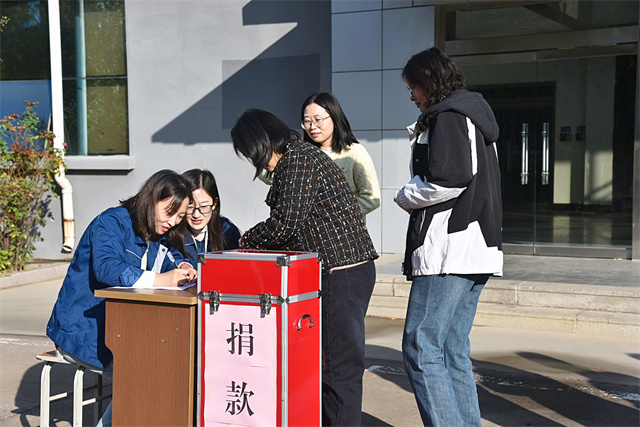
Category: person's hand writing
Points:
column 176, row 277
column 192, row 273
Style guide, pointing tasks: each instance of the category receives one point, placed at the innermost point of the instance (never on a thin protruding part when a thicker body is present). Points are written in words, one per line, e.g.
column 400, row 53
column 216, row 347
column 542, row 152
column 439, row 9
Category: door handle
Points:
column 545, row 154
column 524, row 170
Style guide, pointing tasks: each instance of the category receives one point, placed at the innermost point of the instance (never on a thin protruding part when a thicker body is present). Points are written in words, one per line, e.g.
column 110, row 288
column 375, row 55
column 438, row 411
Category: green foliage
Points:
column 3, row 21
column 28, row 165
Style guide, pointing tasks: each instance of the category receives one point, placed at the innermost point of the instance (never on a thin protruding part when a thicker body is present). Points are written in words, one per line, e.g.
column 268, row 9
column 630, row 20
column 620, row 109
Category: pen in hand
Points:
column 172, row 259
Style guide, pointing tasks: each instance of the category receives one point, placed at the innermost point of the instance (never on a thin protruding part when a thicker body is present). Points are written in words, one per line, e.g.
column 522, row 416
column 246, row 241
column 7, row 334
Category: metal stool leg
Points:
column 45, row 392
column 97, row 393
column 52, row 357
column 78, row 388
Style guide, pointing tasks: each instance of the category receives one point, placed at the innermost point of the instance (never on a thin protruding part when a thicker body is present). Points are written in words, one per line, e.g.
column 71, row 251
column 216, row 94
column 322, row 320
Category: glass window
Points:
column 105, row 119
column 24, row 45
column 24, row 57
column 94, row 77
column 93, row 38
column 93, row 66
column 540, row 18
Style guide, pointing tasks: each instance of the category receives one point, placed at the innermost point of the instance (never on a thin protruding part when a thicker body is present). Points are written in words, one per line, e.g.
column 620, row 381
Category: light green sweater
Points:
column 358, row 168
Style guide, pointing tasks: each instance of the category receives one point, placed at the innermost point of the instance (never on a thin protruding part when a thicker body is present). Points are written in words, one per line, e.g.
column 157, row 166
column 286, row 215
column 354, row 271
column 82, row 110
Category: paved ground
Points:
column 525, row 378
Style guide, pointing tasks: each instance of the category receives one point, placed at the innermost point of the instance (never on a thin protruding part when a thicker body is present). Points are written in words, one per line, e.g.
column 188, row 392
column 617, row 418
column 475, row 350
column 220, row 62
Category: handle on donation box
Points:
column 305, row 316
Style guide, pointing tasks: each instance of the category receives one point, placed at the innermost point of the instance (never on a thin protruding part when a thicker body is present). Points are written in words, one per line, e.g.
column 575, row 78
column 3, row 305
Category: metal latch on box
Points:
column 265, row 304
column 214, row 301
column 265, row 300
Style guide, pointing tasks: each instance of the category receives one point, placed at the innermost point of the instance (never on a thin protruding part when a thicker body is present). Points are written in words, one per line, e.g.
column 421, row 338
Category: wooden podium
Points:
column 152, row 335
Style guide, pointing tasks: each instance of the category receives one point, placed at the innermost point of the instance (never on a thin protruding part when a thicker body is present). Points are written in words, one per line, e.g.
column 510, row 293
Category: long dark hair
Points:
column 258, row 134
column 434, row 72
column 162, row 185
column 204, row 179
column 342, row 135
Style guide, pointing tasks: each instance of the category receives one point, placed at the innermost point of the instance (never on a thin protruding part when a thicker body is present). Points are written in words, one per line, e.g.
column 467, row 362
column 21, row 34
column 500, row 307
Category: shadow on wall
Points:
column 276, row 80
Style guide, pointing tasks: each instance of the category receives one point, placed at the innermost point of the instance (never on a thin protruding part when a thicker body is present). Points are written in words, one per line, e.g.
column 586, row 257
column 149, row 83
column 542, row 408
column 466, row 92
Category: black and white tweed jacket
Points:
column 312, row 210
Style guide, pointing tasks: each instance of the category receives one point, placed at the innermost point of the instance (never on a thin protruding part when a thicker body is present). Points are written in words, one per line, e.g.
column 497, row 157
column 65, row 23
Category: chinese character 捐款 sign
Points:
column 240, row 359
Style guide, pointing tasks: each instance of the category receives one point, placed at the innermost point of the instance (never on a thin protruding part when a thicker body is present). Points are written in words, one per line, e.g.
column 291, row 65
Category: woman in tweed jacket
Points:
column 314, row 210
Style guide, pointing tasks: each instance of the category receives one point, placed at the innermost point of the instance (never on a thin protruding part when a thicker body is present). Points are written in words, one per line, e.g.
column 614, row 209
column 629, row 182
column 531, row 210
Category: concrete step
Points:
column 618, row 299
column 36, row 271
column 587, row 322
column 560, row 307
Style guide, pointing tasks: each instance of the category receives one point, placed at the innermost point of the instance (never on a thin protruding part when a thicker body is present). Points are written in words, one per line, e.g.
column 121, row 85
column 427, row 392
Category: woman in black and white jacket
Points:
column 454, row 239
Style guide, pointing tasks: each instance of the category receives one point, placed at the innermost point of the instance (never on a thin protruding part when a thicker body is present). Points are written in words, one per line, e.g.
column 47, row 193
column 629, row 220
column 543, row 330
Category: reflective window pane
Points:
column 93, row 38
column 106, row 120
column 94, row 73
column 540, row 18
column 24, row 41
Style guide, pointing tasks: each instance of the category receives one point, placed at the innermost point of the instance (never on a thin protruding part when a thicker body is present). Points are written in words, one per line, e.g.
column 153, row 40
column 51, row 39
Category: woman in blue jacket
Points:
column 124, row 246
column 206, row 229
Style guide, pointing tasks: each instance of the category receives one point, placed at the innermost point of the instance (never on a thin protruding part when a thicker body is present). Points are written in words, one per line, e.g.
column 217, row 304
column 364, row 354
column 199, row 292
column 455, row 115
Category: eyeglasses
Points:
column 204, row 210
column 318, row 121
column 410, row 88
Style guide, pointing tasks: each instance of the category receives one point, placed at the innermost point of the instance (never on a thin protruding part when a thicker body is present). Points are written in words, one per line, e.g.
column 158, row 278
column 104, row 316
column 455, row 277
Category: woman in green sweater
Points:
column 327, row 127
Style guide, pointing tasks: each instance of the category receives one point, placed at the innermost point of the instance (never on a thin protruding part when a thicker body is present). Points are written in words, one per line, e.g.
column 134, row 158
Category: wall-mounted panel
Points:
column 394, row 224
column 396, row 152
column 342, row 6
column 398, row 111
column 359, row 95
column 356, row 41
column 405, row 32
column 394, row 4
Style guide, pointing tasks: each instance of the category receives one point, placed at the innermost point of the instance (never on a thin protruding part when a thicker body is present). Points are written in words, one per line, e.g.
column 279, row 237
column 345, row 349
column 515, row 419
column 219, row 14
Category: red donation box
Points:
column 259, row 351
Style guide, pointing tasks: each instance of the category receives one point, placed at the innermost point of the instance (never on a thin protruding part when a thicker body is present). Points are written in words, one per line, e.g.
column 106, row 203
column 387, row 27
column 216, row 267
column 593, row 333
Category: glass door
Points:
column 561, row 78
column 565, row 148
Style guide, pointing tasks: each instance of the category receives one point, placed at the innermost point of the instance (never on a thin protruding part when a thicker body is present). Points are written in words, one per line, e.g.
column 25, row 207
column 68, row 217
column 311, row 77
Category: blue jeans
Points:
column 436, row 347
column 345, row 298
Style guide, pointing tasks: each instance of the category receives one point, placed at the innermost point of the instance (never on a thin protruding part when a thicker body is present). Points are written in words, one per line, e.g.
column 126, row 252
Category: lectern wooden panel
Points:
column 151, row 334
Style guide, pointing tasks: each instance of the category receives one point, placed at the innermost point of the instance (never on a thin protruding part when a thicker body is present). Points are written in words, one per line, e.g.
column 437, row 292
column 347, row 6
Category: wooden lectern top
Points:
column 183, row 297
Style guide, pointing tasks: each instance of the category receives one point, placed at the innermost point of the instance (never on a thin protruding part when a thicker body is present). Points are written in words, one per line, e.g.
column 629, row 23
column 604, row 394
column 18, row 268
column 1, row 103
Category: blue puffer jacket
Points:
column 108, row 254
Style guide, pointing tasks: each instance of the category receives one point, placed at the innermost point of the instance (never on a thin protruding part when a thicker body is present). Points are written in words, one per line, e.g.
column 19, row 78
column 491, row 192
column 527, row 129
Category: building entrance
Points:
column 566, row 119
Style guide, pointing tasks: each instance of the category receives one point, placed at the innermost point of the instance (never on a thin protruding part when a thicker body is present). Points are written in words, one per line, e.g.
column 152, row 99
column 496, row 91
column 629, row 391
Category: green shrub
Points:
column 28, row 165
